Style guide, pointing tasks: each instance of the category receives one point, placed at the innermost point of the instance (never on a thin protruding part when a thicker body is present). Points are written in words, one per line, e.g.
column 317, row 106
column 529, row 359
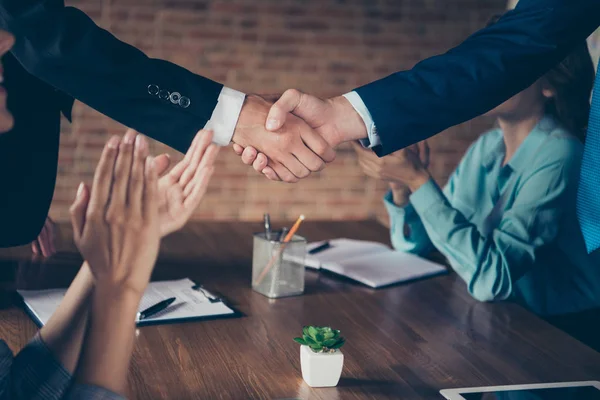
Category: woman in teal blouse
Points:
column 506, row 219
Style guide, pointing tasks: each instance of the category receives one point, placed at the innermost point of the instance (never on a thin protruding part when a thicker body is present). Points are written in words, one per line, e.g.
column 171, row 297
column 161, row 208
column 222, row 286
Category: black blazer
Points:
column 486, row 69
column 28, row 153
column 65, row 48
column 61, row 47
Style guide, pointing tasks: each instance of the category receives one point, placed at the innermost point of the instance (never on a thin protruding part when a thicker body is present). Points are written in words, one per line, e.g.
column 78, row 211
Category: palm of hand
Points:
column 181, row 190
column 172, row 213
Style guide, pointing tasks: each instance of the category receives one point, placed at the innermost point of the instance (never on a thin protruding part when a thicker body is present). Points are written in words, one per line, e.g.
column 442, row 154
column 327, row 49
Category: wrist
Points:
column 418, row 181
column 400, row 193
column 122, row 294
column 349, row 123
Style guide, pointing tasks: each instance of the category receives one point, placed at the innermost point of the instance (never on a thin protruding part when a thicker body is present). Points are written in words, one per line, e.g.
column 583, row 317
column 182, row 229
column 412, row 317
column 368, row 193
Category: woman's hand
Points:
column 116, row 224
column 181, row 190
column 44, row 244
column 407, row 166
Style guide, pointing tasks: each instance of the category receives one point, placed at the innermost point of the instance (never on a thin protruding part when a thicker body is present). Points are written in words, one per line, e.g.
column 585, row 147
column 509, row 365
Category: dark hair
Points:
column 572, row 81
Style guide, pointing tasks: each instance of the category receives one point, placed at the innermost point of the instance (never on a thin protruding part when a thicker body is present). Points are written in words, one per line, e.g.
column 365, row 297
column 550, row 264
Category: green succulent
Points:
column 321, row 339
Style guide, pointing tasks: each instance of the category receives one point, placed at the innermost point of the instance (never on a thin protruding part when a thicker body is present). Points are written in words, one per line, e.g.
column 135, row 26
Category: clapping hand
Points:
column 116, row 222
column 405, row 167
column 181, row 190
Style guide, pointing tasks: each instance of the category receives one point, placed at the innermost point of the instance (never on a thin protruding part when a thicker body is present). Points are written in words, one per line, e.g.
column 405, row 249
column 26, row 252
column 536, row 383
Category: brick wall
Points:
column 326, row 47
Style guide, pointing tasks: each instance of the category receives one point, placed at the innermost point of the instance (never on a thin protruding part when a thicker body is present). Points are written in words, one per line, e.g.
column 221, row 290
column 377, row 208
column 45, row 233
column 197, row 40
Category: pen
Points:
column 150, row 311
column 283, row 234
column 267, row 226
column 320, row 248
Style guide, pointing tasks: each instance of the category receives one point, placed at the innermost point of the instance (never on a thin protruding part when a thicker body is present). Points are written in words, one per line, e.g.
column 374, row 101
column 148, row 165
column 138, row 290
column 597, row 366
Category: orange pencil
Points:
column 273, row 260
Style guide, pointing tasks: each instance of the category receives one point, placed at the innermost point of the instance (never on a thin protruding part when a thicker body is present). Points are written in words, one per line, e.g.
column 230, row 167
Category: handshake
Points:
column 289, row 137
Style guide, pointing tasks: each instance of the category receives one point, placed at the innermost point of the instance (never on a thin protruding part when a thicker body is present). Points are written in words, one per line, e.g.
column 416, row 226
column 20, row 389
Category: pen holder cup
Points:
column 278, row 268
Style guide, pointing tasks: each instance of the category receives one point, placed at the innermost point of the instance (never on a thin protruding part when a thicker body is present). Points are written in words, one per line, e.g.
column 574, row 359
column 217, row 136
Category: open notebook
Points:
column 190, row 303
column 371, row 263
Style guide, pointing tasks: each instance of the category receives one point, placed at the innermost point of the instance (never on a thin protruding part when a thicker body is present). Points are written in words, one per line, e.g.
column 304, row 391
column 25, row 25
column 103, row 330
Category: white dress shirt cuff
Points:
column 362, row 110
column 225, row 115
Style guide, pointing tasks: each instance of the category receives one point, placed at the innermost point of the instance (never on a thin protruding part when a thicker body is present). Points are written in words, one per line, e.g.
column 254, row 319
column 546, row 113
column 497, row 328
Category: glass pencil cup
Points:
column 278, row 268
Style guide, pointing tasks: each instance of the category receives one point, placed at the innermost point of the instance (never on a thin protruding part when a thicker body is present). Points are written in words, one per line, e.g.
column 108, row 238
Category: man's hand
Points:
column 294, row 149
column 181, row 190
column 407, row 166
column 334, row 119
column 44, row 244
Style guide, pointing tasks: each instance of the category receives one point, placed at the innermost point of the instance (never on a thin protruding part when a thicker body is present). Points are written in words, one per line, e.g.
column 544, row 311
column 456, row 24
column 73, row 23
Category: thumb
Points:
column 162, row 163
column 78, row 210
column 287, row 103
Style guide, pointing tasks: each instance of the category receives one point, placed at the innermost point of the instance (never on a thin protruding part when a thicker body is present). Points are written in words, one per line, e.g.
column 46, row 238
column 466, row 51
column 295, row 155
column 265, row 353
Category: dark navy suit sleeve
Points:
column 486, row 69
column 65, row 48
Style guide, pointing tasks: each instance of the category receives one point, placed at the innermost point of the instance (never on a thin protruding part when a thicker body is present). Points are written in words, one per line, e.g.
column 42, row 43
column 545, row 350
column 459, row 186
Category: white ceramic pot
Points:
column 321, row 369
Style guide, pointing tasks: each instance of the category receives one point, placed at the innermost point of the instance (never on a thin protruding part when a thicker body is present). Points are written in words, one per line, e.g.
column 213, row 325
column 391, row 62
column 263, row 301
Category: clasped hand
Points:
column 294, row 136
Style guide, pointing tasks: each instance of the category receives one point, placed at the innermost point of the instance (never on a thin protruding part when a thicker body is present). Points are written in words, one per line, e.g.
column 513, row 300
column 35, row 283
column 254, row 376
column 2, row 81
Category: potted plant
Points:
column 320, row 356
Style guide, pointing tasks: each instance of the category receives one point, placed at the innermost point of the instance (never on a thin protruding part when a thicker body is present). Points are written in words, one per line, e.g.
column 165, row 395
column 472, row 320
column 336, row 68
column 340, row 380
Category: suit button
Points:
column 175, row 97
column 153, row 89
column 184, row 102
column 164, row 94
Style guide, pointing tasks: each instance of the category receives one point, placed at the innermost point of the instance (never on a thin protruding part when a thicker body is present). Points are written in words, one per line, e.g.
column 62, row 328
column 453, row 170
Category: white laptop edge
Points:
column 455, row 394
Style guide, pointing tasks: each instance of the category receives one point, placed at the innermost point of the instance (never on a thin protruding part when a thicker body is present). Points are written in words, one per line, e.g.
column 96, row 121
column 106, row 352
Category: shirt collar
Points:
column 524, row 154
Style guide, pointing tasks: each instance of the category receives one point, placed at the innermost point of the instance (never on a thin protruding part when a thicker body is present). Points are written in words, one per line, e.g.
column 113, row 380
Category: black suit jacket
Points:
column 65, row 48
column 28, row 153
column 61, row 47
column 486, row 69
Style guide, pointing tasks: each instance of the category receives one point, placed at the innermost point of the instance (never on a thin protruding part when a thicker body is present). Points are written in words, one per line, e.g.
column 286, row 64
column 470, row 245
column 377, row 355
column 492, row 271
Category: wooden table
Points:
column 404, row 342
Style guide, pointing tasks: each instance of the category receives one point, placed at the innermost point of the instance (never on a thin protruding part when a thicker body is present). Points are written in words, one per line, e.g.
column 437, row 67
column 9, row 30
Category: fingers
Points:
column 249, row 155
column 270, row 174
column 202, row 140
column 101, row 186
column 44, row 243
column 208, row 161
column 424, row 153
column 319, row 146
column 287, row 103
column 78, row 211
column 121, row 176
column 6, row 119
column 162, row 163
column 7, row 41
column 150, row 200
column 238, row 149
column 135, row 189
column 35, row 248
column 308, row 160
column 192, row 201
column 261, row 163
column 282, row 172
column 295, row 166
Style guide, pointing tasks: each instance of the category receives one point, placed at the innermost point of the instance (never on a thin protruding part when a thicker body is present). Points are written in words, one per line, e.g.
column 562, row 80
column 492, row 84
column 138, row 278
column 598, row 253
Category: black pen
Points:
column 320, row 248
column 150, row 311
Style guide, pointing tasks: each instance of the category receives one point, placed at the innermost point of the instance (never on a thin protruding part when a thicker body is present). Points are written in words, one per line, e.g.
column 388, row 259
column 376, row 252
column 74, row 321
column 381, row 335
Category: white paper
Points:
column 372, row 264
column 189, row 303
column 340, row 250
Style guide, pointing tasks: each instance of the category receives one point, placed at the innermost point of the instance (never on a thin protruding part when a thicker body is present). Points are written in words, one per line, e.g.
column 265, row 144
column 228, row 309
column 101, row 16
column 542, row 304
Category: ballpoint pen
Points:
column 150, row 311
column 267, row 219
column 320, row 248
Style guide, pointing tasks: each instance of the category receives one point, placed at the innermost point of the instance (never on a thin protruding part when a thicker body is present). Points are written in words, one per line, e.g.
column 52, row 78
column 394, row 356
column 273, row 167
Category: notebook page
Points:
column 43, row 303
column 189, row 303
column 382, row 269
column 342, row 249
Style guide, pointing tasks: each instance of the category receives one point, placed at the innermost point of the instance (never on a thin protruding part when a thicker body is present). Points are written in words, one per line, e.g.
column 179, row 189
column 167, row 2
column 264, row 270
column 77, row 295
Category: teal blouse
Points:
column 510, row 232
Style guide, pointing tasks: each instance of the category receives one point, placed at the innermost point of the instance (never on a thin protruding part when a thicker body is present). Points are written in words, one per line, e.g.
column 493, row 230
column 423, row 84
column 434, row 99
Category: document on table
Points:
column 190, row 304
column 371, row 263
